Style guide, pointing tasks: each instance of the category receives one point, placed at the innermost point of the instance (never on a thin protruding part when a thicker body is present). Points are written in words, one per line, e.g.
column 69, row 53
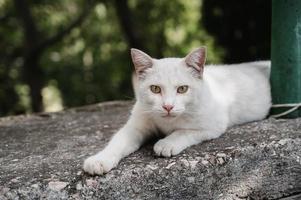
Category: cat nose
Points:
column 168, row 107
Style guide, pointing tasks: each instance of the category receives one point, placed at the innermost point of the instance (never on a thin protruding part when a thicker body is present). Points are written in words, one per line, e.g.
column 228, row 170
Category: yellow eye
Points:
column 182, row 89
column 155, row 89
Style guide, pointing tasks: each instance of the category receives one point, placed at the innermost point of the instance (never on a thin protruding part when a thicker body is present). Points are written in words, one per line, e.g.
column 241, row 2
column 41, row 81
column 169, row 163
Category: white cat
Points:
column 187, row 102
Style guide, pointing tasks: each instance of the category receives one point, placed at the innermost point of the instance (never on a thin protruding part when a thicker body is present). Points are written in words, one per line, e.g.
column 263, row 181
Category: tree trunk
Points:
column 35, row 45
column 125, row 19
column 33, row 76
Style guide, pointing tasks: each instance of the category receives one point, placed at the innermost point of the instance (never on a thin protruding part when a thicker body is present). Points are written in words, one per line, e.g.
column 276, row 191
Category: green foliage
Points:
column 92, row 63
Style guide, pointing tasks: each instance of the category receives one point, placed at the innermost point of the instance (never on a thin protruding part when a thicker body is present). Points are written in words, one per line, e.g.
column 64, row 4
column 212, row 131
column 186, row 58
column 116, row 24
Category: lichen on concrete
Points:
column 41, row 157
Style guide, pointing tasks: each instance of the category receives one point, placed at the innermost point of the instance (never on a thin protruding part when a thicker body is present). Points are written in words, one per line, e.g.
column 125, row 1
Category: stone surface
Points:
column 41, row 157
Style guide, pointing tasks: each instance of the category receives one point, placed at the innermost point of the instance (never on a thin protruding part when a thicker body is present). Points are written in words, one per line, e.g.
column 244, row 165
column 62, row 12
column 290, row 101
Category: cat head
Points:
column 169, row 87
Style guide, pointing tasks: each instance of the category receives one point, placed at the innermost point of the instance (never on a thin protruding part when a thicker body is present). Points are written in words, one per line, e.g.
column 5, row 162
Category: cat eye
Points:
column 182, row 89
column 155, row 89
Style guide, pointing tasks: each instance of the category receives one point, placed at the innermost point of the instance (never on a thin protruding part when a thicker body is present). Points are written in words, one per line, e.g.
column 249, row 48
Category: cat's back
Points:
column 244, row 88
column 257, row 67
column 242, row 76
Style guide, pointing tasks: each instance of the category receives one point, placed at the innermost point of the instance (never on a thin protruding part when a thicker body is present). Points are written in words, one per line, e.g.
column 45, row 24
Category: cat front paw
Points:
column 167, row 148
column 98, row 164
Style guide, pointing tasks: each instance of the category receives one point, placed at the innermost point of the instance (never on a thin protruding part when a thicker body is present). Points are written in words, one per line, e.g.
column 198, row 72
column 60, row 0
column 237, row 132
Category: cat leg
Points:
column 124, row 142
column 181, row 139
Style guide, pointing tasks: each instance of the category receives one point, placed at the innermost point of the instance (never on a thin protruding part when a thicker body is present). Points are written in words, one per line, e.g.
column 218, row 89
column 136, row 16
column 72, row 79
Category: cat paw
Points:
column 167, row 148
column 98, row 165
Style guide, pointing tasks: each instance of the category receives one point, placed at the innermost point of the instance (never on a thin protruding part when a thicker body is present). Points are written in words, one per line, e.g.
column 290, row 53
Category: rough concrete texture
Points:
column 41, row 157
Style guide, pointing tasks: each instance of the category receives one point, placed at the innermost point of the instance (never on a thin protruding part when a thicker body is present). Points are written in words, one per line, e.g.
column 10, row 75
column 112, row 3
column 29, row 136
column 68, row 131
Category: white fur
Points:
column 223, row 96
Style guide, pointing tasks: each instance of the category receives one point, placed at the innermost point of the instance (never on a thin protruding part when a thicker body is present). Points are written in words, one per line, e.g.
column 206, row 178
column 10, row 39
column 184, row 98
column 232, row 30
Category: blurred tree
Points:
column 78, row 51
column 34, row 45
column 241, row 27
column 126, row 22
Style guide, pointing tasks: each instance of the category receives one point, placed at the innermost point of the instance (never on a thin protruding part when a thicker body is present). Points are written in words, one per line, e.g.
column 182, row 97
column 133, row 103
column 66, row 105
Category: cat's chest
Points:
column 167, row 126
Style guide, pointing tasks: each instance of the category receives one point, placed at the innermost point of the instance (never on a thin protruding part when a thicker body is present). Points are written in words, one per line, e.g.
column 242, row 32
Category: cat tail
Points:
column 135, row 84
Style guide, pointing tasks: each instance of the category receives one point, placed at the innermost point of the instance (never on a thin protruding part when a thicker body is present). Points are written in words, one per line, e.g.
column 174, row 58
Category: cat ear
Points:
column 197, row 59
column 141, row 60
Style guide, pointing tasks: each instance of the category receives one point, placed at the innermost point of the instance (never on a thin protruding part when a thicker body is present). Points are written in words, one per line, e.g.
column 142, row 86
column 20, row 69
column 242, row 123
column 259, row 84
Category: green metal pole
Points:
column 286, row 54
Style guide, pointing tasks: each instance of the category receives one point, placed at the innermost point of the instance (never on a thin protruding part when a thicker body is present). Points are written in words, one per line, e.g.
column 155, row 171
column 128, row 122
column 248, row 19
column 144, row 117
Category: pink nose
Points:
column 168, row 107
